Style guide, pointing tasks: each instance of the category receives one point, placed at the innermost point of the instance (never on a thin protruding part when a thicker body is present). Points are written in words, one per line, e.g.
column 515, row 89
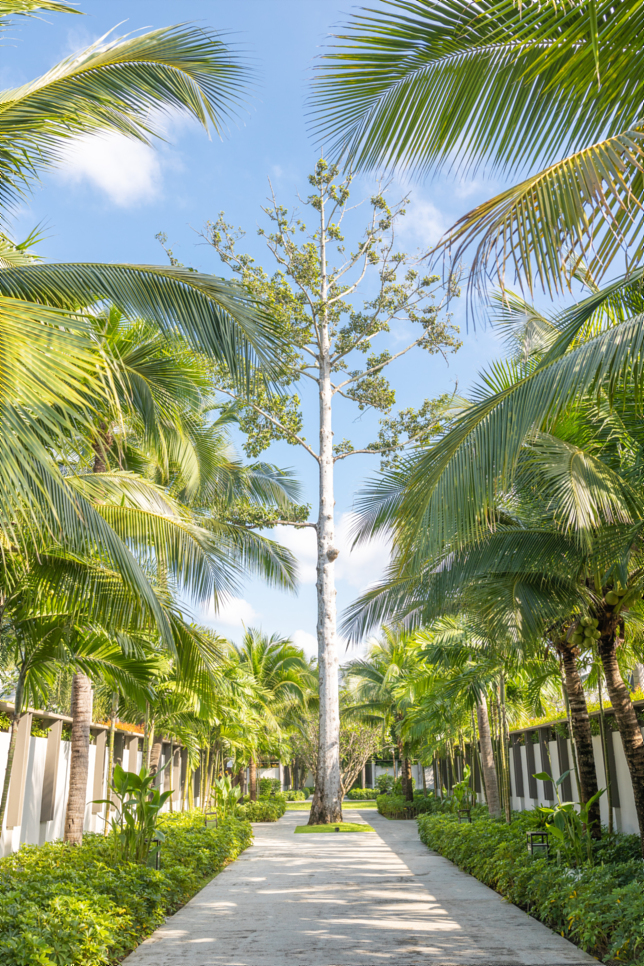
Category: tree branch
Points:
column 381, row 365
column 275, row 422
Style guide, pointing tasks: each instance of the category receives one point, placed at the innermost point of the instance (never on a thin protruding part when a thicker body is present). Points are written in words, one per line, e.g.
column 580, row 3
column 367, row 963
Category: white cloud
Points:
column 127, row 171
column 424, row 223
column 308, row 642
column 234, row 612
column 301, row 542
column 358, row 567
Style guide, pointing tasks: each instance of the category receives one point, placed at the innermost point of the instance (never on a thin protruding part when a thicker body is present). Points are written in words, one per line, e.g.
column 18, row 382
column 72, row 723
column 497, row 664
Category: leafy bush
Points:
column 294, row 796
column 397, row 806
column 266, row 809
column 600, row 908
column 77, row 906
column 308, row 791
column 268, row 785
column 362, row 794
column 385, row 784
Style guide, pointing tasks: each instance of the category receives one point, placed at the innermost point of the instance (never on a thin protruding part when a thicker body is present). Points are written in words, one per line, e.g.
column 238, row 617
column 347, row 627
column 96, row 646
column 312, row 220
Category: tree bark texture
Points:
column 408, row 783
column 327, row 801
column 155, row 753
column 625, row 716
column 488, row 766
column 79, row 765
column 252, row 780
column 581, row 733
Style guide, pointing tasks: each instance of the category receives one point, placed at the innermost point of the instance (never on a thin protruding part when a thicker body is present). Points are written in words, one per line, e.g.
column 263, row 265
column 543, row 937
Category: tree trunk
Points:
column 327, row 801
column 487, row 761
column 155, row 753
column 626, row 718
column 409, row 785
column 79, row 766
column 252, row 779
column 581, row 733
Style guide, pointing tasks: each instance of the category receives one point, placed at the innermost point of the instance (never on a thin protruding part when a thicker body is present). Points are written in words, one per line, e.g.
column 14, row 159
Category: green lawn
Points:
column 305, row 806
column 339, row 826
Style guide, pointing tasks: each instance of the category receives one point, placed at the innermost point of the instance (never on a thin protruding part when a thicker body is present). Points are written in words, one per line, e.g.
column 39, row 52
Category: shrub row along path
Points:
column 350, row 900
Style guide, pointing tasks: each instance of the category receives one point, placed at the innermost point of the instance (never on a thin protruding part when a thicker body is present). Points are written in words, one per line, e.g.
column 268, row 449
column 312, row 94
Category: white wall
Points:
column 625, row 816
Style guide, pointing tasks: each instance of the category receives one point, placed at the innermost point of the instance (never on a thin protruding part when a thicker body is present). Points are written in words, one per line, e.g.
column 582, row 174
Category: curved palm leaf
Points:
column 114, row 86
column 423, row 84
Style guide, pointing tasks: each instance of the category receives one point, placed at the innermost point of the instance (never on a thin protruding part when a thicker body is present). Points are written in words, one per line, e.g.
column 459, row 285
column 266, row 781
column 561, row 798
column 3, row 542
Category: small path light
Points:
column 337, row 828
column 154, row 855
column 464, row 815
column 538, row 844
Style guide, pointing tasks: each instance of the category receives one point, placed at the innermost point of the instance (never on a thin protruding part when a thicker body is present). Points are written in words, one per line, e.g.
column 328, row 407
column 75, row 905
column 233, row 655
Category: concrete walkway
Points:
column 350, row 900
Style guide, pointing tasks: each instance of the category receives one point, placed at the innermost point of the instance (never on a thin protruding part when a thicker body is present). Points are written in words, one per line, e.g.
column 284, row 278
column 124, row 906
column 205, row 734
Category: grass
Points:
column 305, row 806
column 342, row 826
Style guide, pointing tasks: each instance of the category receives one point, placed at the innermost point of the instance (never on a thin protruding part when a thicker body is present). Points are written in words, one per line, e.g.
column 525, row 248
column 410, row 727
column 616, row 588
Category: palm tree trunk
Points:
column 409, row 785
column 505, row 745
column 79, row 766
column 580, row 724
column 252, row 779
column 626, row 718
column 487, row 761
column 155, row 753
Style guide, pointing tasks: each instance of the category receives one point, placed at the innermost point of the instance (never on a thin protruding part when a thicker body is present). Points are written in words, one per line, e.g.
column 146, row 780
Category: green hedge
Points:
column 265, row 809
column 63, row 905
column 393, row 806
column 600, row 908
column 269, row 785
column 294, row 796
column 363, row 794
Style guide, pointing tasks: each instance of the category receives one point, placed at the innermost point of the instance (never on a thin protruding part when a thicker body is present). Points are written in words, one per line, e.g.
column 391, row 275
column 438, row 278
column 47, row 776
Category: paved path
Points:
column 350, row 900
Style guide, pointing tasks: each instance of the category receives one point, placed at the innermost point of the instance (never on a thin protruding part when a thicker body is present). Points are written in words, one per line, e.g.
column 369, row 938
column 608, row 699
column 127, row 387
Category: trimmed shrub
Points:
column 294, row 796
column 74, row 905
column 267, row 808
column 269, row 785
column 363, row 794
column 397, row 806
column 599, row 908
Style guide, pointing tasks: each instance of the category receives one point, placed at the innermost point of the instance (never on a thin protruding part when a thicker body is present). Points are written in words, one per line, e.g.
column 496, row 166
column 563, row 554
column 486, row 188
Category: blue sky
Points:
column 110, row 198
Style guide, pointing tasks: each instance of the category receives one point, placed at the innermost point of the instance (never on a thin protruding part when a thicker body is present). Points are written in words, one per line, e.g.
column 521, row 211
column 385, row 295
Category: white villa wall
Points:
column 625, row 816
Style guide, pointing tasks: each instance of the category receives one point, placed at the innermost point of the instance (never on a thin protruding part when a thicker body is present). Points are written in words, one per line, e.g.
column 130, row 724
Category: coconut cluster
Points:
column 613, row 597
column 586, row 630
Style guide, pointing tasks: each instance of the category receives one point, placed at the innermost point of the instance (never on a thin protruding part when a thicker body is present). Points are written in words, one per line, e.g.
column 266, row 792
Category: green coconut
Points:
column 612, row 598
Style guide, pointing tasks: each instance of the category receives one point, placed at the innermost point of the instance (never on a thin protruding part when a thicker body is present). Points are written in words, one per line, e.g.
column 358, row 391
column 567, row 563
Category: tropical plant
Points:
column 378, row 693
column 280, row 684
column 225, row 796
column 135, row 826
column 570, row 822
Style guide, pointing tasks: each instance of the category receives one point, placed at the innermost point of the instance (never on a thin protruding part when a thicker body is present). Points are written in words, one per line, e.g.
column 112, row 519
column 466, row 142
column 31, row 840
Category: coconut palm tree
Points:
column 380, row 691
column 115, row 85
column 424, row 86
column 279, row 679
